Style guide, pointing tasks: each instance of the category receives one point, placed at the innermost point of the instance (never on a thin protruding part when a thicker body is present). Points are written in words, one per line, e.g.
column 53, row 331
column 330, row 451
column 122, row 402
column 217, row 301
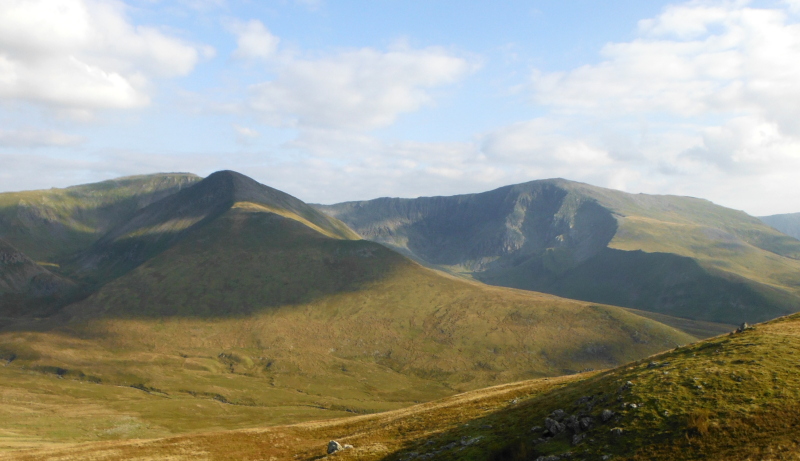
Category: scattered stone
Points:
column 666, row 413
column 536, row 429
column 558, row 415
column 606, row 415
column 573, row 424
column 586, row 423
column 617, row 431
column 553, row 426
column 539, row 440
column 606, row 457
column 549, row 458
column 653, row 365
column 744, row 326
column 633, row 405
column 347, row 447
column 334, row 446
column 578, row 438
column 486, row 426
column 467, row 442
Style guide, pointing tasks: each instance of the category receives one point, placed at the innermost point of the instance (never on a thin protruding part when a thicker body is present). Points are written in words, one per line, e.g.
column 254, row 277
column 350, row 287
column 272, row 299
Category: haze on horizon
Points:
column 341, row 100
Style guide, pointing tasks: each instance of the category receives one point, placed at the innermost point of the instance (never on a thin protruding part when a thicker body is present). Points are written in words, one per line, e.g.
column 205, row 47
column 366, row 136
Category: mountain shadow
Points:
column 677, row 255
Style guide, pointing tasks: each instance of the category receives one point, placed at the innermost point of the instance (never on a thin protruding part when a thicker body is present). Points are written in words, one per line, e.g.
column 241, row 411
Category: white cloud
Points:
column 37, row 138
column 254, row 40
column 714, row 87
column 245, row 135
column 84, row 54
column 354, row 90
column 693, row 60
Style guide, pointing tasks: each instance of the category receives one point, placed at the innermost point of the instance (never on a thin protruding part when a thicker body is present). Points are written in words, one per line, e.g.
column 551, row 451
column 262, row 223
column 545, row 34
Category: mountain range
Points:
column 680, row 256
column 170, row 304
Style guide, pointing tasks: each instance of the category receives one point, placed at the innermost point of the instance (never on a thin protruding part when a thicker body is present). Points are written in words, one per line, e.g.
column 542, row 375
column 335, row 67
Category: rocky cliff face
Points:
column 676, row 255
column 480, row 232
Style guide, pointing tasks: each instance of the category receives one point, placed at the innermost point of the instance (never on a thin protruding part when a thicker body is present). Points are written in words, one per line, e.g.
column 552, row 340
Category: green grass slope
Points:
column 680, row 256
column 733, row 397
column 788, row 223
column 260, row 313
column 48, row 225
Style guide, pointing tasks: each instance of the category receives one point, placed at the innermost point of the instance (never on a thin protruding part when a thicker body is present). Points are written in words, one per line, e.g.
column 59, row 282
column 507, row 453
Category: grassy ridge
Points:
column 732, row 397
column 48, row 225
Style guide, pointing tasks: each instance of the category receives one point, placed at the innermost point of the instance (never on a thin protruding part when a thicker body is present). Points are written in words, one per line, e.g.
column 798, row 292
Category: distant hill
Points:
column 789, row 223
column 48, row 225
column 680, row 256
column 235, row 301
column 734, row 397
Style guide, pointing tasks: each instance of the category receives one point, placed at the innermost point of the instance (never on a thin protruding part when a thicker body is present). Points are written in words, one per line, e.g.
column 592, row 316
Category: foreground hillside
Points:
column 733, row 397
column 680, row 256
column 229, row 304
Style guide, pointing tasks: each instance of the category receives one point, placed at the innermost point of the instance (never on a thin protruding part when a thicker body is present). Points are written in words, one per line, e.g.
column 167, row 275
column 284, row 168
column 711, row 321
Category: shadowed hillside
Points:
column 674, row 255
column 789, row 223
column 733, row 397
column 48, row 225
column 159, row 225
column 239, row 303
column 26, row 288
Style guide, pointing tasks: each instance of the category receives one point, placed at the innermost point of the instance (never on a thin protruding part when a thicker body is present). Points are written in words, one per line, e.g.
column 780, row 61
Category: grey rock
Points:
column 558, row 415
column 606, row 415
column 347, row 447
column 553, row 426
column 585, row 423
column 536, row 429
column 334, row 446
column 548, row 458
column 467, row 441
column 573, row 424
column 617, row 431
column 578, row 438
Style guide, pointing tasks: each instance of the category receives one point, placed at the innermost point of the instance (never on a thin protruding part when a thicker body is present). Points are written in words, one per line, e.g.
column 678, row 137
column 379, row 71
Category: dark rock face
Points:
column 488, row 231
column 553, row 426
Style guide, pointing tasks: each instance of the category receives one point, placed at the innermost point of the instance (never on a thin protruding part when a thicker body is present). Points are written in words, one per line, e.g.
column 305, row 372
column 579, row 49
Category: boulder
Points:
column 553, row 426
column 606, row 415
column 334, row 446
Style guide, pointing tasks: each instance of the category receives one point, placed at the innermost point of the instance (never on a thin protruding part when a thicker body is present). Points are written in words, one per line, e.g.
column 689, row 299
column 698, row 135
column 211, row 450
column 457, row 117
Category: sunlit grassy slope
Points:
column 680, row 256
column 733, row 397
column 50, row 224
column 265, row 311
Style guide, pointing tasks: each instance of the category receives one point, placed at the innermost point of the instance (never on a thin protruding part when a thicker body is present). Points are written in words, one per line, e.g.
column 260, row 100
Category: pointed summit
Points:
column 160, row 225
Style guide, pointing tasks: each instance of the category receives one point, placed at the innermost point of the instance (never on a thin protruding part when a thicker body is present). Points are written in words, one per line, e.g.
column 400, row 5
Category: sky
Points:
column 334, row 101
